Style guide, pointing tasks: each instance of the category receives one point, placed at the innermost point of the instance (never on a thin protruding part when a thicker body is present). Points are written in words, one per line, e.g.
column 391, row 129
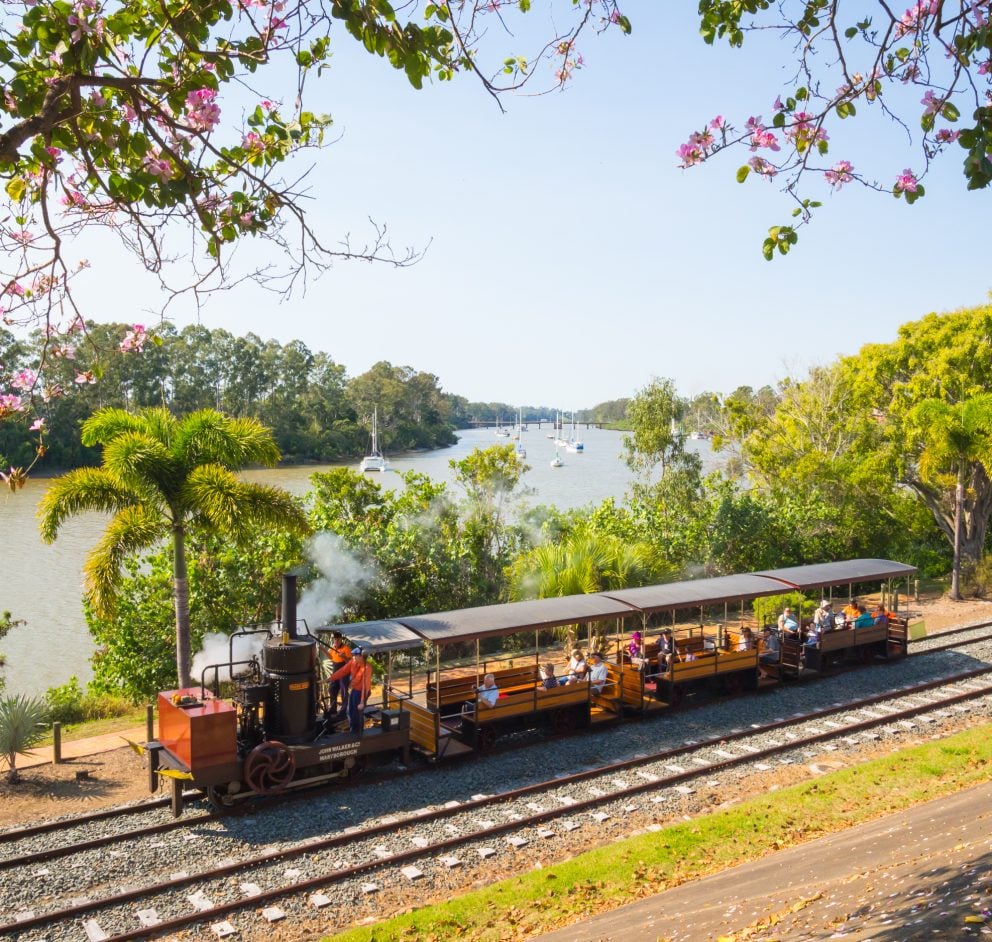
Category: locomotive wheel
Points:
column 359, row 765
column 220, row 798
column 269, row 768
column 733, row 684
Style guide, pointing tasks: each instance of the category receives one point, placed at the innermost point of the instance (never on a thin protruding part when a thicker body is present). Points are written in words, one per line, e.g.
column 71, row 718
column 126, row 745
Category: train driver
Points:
column 359, row 671
column 339, row 655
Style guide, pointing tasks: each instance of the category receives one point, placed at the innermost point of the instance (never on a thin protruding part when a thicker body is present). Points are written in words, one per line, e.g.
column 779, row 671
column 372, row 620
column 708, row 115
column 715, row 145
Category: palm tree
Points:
column 159, row 475
column 956, row 444
column 22, row 724
column 584, row 563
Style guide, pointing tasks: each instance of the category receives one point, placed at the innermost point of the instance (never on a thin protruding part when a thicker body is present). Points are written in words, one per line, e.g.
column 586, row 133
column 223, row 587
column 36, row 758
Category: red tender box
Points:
column 198, row 735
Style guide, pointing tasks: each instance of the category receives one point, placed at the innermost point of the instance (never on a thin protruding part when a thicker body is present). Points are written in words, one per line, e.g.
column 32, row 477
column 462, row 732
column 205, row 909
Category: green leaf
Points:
column 16, row 188
column 742, row 173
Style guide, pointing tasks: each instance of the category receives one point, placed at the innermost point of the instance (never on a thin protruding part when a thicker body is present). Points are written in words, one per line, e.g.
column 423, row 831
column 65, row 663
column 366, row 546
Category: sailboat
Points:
column 520, row 451
column 574, row 444
column 375, row 460
column 500, row 431
column 556, row 462
column 560, row 441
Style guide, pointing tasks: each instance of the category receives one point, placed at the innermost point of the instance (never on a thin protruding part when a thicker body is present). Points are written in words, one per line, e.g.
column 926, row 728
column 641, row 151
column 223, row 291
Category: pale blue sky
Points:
column 571, row 260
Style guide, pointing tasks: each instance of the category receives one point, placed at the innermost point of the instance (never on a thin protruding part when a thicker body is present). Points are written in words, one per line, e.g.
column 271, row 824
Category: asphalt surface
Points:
column 925, row 873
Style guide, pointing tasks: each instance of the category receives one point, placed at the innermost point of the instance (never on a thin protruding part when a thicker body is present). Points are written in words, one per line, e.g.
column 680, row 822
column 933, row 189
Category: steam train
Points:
column 277, row 731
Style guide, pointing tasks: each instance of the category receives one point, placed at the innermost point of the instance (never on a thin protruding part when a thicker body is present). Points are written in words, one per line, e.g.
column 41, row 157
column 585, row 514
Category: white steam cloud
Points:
column 216, row 650
column 342, row 576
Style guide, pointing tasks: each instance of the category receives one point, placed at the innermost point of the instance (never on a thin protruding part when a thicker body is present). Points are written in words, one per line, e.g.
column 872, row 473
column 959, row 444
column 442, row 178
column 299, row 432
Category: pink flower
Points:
column 38, row 426
column 134, row 340
column 906, row 182
column 932, row 104
column 15, row 289
column 202, row 112
column 914, row 18
column 840, row 173
column 9, row 404
column 83, row 378
column 718, row 123
column 947, row 136
column 762, row 166
column 158, row 167
column 24, row 380
column 22, row 236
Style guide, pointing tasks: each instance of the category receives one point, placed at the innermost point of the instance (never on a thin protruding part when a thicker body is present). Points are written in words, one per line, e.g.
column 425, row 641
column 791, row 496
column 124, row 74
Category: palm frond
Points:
column 79, row 491
column 142, row 462
column 209, row 437
column 234, row 506
column 106, row 424
column 132, row 529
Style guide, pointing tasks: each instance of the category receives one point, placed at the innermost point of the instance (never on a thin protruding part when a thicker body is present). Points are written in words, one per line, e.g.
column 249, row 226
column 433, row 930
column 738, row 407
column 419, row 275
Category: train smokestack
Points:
column 289, row 603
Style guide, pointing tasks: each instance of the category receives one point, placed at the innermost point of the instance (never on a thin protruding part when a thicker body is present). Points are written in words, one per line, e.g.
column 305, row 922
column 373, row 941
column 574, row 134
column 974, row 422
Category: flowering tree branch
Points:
column 880, row 61
column 117, row 114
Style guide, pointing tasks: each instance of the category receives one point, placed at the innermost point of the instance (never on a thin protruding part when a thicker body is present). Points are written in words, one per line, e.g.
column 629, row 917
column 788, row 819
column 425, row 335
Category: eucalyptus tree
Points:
column 158, row 475
column 955, row 442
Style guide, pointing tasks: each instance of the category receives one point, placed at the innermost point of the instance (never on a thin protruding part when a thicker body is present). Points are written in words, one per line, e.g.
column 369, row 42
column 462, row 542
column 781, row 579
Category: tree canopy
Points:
column 927, row 68
column 175, row 128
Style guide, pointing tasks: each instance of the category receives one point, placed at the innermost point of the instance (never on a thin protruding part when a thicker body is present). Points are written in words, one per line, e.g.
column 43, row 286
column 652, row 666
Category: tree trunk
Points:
column 181, row 596
column 956, row 568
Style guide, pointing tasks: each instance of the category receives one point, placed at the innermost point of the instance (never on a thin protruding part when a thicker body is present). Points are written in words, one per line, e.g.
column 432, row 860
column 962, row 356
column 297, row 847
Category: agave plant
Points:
column 22, row 724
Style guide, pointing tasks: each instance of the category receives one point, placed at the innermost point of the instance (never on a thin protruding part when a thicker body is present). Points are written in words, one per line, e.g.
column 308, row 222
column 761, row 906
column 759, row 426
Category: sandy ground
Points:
column 119, row 776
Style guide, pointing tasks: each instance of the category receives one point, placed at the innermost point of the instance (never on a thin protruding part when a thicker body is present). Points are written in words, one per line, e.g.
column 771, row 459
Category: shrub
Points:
column 767, row 610
column 68, row 704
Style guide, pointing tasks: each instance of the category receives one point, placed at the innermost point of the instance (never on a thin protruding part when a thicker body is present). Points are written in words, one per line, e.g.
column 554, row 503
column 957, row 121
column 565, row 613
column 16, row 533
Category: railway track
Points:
column 655, row 773
column 77, row 828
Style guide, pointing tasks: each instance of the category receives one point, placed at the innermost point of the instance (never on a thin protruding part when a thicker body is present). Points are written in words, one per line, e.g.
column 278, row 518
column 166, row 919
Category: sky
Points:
column 569, row 260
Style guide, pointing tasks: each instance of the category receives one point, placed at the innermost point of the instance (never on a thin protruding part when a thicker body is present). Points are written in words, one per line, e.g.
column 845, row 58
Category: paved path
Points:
column 78, row 748
column 925, row 873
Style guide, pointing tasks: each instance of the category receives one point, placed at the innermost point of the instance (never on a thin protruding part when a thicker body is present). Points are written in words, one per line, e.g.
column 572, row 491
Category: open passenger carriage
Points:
column 454, row 651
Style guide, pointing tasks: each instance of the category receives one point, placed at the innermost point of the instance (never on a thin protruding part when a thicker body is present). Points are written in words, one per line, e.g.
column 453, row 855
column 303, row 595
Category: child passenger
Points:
column 548, row 679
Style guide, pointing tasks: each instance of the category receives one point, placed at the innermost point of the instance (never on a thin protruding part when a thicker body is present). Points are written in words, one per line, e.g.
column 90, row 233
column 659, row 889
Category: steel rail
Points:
column 524, row 791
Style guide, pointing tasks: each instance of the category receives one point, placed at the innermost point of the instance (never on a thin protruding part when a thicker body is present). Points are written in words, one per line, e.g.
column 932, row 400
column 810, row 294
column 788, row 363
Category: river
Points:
column 41, row 583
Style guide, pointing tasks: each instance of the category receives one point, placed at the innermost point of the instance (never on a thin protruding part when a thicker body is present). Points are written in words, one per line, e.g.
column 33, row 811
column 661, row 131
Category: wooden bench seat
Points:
column 456, row 690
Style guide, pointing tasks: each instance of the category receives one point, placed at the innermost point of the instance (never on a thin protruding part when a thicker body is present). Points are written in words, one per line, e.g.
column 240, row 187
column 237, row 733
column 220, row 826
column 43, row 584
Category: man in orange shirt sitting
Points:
column 359, row 671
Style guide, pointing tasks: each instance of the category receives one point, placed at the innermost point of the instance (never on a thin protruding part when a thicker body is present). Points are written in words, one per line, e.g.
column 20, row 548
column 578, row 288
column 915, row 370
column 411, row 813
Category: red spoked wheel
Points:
column 269, row 768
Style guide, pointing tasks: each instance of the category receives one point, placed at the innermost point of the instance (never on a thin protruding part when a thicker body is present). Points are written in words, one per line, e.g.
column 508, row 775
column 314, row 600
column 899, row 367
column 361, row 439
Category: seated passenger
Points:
column 488, row 693
column 823, row 618
column 599, row 675
column 788, row 624
column 548, row 679
column 881, row 617
column 636, row 646
column 840, row 621
column 771, row 652
column 666, row 650
column 852, row 610
column 578, row 668
column 864, row 619
column 747, row 640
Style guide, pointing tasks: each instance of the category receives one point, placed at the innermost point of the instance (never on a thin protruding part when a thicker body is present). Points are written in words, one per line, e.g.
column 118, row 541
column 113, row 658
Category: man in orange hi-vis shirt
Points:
column 360, row 672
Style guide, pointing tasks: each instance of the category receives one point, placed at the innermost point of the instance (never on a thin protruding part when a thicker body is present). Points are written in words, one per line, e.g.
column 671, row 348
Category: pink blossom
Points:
column 202, row 112
column 906, row 182
column 15, row 289
column 253, row 141
column 9, row 403
column 129, row 113
column 266, row 104
column 77, row 325
column 762, row 166
column 932, row 104
column 718, row 123
column 914, row 18
column 947, row 136
column 24, row 380
column 158, row 167
column 83, row 378
column 247, row 219
column 840, row 173
column 22, row 236
column 134, row 340
column 38, row 425
column 777, row 104
column 985, row 68
column 63, row 351
column 55, row 391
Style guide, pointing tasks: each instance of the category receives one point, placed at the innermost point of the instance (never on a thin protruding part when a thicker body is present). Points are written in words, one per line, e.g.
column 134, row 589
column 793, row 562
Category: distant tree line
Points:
column 316, row 412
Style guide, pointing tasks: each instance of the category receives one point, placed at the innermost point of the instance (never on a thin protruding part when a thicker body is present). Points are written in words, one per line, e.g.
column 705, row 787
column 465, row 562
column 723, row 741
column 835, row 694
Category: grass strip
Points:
column 609, row 876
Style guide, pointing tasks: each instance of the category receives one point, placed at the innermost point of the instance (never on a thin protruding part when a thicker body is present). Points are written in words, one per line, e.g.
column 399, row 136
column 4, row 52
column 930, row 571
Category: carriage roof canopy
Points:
column 491, row 620
column 847, row 571
column 377, row 635
column 693, row 592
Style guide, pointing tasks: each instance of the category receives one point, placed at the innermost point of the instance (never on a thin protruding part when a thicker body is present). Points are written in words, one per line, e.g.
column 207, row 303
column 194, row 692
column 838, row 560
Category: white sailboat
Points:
column 560, row 440
column 520, row 451
column 556, row 462
column 500, row 431
column 575, row 444
column 374, row 461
